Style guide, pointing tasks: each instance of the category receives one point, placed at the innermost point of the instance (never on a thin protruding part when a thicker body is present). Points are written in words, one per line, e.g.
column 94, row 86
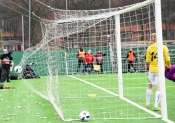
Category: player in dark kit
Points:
column 99, row 59
column 6, row 63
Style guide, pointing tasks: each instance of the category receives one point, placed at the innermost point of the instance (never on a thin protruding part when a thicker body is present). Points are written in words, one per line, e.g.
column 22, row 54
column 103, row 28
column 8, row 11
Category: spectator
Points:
column 99, row 59
column 29, row 73
column 80, row 55
column 131, row 57
column 89, row 61
column 6, row 63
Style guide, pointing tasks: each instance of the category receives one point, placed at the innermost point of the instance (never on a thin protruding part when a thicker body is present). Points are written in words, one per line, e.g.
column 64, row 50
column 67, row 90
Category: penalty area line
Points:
column 127, row 100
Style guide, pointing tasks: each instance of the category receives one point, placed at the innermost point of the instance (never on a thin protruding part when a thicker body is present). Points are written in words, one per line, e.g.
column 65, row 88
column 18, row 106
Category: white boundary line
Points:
column 129, row 101
column 146, row 87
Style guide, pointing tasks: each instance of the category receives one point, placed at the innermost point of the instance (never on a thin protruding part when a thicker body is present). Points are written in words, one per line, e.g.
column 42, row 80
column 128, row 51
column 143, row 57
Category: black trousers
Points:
column 80, row 61
column 90, row 66
column 101, row 66
column 5, row 74
column 130, row 64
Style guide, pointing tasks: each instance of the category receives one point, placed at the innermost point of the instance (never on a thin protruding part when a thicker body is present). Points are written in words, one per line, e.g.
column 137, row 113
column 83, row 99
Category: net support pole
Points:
column 66, row 68
column 158, row 22
column 29, row 19
column 119, row 59
column 1, row 39
column 23, row 34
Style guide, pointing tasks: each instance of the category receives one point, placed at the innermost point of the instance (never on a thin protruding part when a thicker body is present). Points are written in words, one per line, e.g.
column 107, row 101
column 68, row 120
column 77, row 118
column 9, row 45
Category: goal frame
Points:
column 158, row 23
column 52, row 26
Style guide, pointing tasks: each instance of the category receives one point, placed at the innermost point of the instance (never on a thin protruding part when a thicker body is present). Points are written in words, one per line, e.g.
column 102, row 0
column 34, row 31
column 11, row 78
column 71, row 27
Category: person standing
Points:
column 131, row 57
column 89, row 61
column 152, row 61
column 99, row 59
column 80, row 55
column 6, row 63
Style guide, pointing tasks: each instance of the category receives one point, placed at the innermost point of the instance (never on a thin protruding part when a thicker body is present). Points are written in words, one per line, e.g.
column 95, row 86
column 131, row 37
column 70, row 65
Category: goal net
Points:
column 105, row 94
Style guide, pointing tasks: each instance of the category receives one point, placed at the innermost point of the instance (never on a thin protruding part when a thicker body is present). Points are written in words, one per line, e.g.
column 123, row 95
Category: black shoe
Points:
column 8, row 80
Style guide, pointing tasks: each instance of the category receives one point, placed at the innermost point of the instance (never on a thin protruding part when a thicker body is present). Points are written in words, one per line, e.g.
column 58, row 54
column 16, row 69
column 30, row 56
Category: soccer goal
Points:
column 111, row 93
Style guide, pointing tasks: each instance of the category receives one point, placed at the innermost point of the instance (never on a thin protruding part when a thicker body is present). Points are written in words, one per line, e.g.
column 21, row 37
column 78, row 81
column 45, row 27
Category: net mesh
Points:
column 69, row 91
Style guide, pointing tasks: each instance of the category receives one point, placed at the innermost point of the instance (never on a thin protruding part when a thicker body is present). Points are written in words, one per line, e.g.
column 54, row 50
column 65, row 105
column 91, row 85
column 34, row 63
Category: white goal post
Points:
column 112, row 92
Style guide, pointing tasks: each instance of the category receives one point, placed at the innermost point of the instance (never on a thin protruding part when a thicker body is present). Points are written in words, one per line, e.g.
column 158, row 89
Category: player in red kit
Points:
column 89, row 61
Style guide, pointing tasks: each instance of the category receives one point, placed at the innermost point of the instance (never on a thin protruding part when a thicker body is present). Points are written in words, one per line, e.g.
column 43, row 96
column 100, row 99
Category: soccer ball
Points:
column 18, row 69
column 84, row 116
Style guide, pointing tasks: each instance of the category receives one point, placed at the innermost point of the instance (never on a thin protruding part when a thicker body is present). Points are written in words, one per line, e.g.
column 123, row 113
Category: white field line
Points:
column 129, row 101
column 146, row 87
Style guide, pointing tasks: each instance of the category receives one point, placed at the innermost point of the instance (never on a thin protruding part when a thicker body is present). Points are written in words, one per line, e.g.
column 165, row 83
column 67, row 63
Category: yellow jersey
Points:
column 151, row 57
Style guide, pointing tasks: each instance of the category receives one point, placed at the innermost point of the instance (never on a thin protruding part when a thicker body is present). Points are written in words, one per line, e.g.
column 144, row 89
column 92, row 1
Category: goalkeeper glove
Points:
column 168, row 69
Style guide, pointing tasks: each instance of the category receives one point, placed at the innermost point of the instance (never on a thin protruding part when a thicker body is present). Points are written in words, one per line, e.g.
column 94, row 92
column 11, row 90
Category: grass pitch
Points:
column 21, row 105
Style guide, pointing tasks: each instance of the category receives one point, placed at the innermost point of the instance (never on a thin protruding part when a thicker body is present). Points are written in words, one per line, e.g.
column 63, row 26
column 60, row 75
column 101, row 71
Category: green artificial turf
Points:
column 21, row 105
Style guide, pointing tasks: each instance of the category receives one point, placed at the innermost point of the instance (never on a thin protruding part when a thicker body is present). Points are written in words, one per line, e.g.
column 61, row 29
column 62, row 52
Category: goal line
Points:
column 127, row 100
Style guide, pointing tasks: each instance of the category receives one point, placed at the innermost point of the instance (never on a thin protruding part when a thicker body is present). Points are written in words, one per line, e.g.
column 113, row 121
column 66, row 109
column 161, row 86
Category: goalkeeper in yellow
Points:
column 151, row 59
